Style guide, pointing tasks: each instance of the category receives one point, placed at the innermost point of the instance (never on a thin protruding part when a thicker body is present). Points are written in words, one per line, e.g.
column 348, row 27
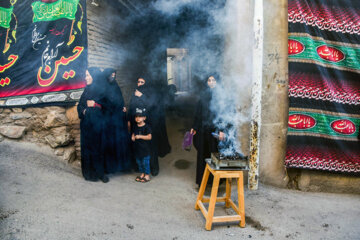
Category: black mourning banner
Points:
column 43, row 51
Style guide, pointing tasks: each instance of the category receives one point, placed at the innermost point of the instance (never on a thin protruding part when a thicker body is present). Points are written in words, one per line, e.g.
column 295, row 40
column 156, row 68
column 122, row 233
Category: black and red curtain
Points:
column 324, row 85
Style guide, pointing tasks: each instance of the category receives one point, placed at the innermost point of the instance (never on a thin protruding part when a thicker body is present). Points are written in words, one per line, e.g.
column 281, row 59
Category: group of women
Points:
column 105, row 125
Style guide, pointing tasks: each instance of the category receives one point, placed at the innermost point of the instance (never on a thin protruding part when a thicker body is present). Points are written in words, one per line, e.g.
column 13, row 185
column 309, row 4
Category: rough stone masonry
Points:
column 57, row 127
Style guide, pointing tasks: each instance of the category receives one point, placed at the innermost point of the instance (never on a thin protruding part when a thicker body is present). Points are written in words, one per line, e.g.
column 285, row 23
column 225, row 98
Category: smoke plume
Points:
column 218, row 36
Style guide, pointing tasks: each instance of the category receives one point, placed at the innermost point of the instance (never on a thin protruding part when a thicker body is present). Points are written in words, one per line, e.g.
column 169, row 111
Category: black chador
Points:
column 159, row 142
column 151, row 99
column 204, row 141
column 91, row 126
column 116, row 139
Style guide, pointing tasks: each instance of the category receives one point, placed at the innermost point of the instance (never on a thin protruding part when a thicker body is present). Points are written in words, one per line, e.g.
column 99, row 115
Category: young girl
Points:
column 142, row 148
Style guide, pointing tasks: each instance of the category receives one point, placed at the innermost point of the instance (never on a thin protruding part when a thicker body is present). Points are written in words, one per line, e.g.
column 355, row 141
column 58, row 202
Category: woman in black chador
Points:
column 203, row 128
column 152, row 100
column 91, row 125
column 116, row 139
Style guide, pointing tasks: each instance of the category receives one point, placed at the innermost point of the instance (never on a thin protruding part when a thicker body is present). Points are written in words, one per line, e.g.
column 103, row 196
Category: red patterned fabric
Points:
column 323, row 157
column 324, row 85
column 318, row 87
column 339, row 19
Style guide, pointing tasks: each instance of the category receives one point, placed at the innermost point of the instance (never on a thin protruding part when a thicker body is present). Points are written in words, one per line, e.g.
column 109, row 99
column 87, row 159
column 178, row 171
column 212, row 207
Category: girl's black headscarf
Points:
column 215, row 75
column 113, row 91
column 206, row 98
column 207, row 93
column 144, row 89
column 107, row 74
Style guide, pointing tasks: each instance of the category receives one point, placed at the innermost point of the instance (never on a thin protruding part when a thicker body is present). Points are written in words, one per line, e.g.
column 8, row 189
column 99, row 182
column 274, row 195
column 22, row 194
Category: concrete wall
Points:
column 274, row 108
column 275, row 94
column 322, row 181
column 238, row 59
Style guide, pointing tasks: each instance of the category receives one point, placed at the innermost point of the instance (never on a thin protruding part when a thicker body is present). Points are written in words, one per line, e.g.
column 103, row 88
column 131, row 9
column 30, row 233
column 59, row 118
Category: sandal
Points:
column 144, row 180
column 138, row 179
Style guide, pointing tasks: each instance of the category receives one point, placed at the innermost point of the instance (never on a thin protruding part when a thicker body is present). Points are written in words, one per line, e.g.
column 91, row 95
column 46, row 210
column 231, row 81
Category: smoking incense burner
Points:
column 236, row 160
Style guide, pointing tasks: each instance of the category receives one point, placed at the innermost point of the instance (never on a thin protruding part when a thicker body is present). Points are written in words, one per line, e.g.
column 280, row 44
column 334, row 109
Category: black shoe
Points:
column 155, row 173
column 91, row 179
column 104, row 179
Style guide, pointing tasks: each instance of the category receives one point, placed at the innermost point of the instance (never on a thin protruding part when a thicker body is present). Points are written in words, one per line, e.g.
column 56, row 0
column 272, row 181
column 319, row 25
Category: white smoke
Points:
column 219, row 36
column 173, row 7
column 232, row 98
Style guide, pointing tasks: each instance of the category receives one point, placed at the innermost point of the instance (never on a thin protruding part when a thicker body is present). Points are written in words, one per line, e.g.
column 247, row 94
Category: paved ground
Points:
column 42, row 199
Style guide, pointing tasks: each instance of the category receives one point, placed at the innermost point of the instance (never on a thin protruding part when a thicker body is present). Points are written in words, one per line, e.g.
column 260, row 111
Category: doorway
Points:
column 178, row 69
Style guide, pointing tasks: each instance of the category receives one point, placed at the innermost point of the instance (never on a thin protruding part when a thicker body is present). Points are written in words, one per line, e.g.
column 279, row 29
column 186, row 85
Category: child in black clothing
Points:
column 142, row 136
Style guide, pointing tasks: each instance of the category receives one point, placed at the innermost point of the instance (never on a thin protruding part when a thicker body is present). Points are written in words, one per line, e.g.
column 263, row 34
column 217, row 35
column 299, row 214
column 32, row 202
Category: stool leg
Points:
column 228, row 192
column 214, row 191
column 202, row 187
column 241, row 200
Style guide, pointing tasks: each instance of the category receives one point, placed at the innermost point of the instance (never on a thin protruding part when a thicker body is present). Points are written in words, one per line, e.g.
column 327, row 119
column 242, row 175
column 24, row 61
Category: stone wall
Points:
column 57, row 127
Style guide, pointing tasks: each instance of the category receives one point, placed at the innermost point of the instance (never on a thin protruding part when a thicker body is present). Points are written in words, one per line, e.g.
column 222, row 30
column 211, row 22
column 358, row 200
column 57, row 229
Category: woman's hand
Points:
column 133, row 137
column 124, row 109
column 221, row 136
column 90, row 103
column 192, row 132
column 138, row 93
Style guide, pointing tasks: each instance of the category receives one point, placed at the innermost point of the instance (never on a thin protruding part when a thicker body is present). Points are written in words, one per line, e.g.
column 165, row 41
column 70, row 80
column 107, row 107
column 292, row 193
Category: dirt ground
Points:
column 41, row 198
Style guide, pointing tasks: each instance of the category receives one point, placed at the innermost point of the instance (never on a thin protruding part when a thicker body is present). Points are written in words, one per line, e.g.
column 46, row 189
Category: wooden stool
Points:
column 209, row 214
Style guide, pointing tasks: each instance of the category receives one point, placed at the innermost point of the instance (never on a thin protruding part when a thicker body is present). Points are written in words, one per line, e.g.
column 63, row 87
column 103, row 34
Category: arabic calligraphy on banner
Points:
column 329, row 125
column 305, row 48
column 54, row 11
column 295, row 47
column 343, row 126
column 301, row 121
column 5, row 16
column 47, row 56
column 329, row 53
column 12, row 59
column 63, row 61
